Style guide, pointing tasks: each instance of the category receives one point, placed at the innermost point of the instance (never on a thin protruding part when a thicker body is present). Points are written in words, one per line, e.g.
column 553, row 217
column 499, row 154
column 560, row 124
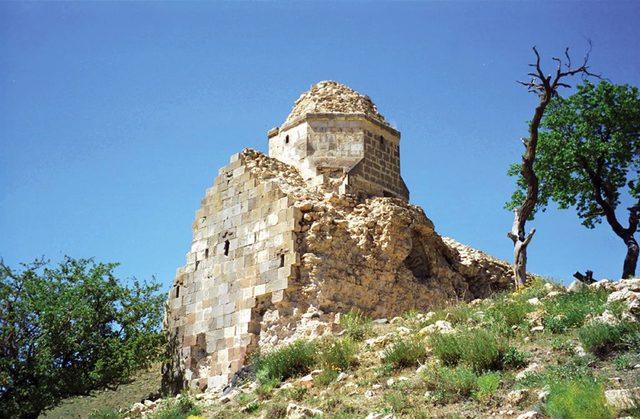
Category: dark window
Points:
column 178, row 291
column 381, row 140
column 226, row 247
column 206, row 253
column 286, row 139
column 282, row 260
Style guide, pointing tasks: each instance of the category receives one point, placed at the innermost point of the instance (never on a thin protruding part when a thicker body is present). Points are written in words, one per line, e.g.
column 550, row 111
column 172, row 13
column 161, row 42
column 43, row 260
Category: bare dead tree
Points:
column 546, row 88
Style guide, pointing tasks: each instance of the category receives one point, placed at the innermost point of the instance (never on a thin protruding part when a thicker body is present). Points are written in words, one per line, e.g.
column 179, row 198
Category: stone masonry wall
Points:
column 273, row 260
column 242, row 255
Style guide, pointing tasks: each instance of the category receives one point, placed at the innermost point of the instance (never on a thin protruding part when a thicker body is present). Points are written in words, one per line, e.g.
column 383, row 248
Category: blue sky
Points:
column 115, row 117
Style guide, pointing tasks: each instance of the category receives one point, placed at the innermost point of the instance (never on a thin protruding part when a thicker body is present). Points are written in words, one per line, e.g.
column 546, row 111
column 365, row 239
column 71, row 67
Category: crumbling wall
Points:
column 273, row 260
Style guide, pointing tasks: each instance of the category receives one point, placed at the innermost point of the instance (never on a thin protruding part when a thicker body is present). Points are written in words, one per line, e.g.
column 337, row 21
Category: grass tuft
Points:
column 582, row 399
column 405, row 353
column 289, row 361
column 356, row 325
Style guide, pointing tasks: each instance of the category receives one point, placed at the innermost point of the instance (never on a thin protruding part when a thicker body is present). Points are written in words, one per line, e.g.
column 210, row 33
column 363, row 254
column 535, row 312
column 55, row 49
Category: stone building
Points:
column 283, row 244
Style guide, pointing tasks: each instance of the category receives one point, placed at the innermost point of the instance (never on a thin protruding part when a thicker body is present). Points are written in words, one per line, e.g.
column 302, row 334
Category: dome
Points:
column 333, row 97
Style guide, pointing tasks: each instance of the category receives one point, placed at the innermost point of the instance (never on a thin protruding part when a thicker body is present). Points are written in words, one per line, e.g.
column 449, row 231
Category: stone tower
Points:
column 283, row 244
column 336, row 136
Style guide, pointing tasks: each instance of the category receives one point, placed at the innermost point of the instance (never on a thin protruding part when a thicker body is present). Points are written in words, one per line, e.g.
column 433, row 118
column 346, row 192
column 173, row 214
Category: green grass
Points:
column 178, row 408
column 339, row 355
column 144, row 385
column 292, row 360
column 356, row 325
column 600, row 338
column 577, row 399
column 451, row 384
column 405, row 353
column 487, row 385
column 569, row 310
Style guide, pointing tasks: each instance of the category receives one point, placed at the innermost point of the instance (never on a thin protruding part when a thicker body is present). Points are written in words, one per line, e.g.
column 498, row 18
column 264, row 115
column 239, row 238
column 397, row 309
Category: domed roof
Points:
column 333, row 97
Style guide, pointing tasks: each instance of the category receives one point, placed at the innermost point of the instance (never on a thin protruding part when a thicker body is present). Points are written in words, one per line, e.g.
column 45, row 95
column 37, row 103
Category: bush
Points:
column 179, row 408
column 579, row 399
column 292, row 360
column 356, row 325
column 276, row 411
column 72, row 328
column 405, row 353
column 506, row 313
column 446, row 347
column 481, row 350
column 451, row 384
column 325, row 378
column 600, row 338
column 513, row 358
column 622, row 362
column 105, row 413
column 569, row 310
column 487, row 385
column 339, row 355
column 397, row 401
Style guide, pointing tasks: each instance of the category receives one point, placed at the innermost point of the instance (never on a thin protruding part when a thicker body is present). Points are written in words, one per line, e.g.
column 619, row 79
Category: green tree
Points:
column 589, row 159
column 69, row 329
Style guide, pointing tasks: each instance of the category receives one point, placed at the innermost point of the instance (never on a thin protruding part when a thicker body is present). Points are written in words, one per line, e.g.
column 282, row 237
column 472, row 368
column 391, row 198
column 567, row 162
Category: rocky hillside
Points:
column 544, row 351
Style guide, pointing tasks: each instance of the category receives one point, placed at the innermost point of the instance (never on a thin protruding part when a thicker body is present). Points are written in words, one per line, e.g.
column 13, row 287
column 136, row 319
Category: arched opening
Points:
column 381, row 141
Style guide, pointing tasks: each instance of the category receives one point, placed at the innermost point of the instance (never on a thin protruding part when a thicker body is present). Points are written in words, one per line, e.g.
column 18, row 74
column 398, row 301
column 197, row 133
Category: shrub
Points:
column 356, row 325
column 405, row 353
column 325, row 378
column 513, row 358
column 480, row 349
column 569, row 310
column 600, row 338
column 580, row 399
column 506, row 313
column 451, row 384
column 487, row 385
column 446, row 347
column 178, row 408
column 276, row 411
column 295, row 359
column 622, row 362
column 397, row 401
column 339, row 355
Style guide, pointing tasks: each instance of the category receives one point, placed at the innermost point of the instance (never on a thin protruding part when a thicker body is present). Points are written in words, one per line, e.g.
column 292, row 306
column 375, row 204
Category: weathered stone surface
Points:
column 276, row 257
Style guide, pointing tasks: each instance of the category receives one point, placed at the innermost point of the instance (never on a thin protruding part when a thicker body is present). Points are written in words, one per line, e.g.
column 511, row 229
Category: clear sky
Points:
column 115, row 117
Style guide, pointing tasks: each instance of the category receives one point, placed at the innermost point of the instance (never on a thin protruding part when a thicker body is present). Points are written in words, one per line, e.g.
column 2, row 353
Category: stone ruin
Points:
column 282, row 244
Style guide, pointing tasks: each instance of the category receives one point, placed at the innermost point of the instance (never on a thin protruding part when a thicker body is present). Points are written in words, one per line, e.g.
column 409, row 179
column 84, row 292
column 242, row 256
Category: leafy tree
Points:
column 525, row 199
column 69, row 329
column 589, row 158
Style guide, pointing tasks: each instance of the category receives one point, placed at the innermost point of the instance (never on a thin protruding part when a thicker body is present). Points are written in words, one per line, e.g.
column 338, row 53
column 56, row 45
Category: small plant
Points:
column 405, row 353
column 339, row 355
column 451, row 384
column 506, row 313
column 569, row 310
column 325, row 378
column 622, row 362
column 582, row 399
column 296, row 393
column 482, row 350
column 276, row 411
column 487, row 385
column 446, row 347
column 356, row 325
column 266, row 386
column 105, row 413
column 397, row 401
column 292, row 360
column 513, row 358
column 600, row 338
column 178, row 408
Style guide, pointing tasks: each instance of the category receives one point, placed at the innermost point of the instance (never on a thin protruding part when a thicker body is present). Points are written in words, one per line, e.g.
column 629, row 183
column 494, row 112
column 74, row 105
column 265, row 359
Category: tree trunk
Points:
column 520, row 243
column 631, row 260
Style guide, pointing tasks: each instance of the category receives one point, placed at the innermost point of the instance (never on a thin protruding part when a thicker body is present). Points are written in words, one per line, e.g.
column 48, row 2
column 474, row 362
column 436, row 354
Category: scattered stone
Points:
column 403, row 331
column 440, row 326
column 137, row 408
column 516, row 397
column 531, row 369
column 390, row 382
column 380, row 321
column 625, row 399
column 396, row 320
column 341, row 377
column 295, row 411
column 534, row 301
column 553, row 294
column 537, row 329
column 368, row 394
column 576, row 286
column 543, row 395
column 532, row 414
column 579, row 351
